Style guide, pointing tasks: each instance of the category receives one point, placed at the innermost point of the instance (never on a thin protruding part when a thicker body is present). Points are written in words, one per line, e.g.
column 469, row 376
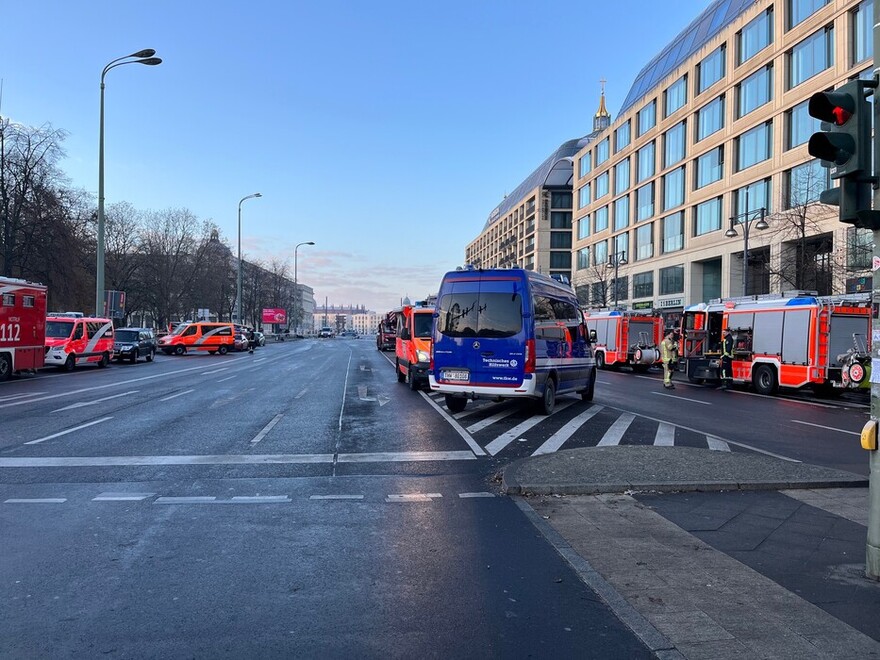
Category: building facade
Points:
column 672, row 197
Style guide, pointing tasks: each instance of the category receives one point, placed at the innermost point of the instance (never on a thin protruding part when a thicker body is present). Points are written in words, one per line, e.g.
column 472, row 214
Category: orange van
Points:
column 211, row 337
column 73, row 340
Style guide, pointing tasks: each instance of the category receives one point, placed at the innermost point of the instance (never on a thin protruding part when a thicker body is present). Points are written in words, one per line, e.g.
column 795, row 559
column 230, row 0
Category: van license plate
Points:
column 456, row 375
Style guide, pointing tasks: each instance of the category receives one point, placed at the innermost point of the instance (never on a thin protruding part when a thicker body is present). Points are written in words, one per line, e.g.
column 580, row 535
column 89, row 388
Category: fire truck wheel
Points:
column 104, row 361
column 5, row 367
column 150, row 356
column 548, row 401
column 70, row 363
column 180, row 350
column 455, row 404
column 600, row 359
column 764, row 379
column 587, row 394
column 222, row 350
column 401, row 378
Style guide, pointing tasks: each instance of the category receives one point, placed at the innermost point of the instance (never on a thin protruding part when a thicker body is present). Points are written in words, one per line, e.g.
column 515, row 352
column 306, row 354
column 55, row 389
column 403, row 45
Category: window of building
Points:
column 710, row 118
column 601, row 152
column 673, row 232
column 861, row 31
column 674, row 141
column 645, row 241
column 671, row 280
column 811, row 56
column 755, row 36
column 621, row 245
column 800, row 10
column 584, row 226
column 585, row 165
column 601, row 185
column 560, row 219
column 560, row 260
column 621, row 212
column 583, row 258
column 600, row 218
column 673, row 189
column 584, row 196
column 804, row 183
column 647, row 117
column 646, row 162
column 530, row 206
column 707, row 217
column 754, row 91
column 752, row 198
column 799, row 125
column 560, row 240
column 643, row 284
column 560, row 200
column 645, row 202
column 710, row 167
column 754, row 146
column 621, row 176
column 711, row 69
column 675, row 96
column 859, row 248
column 622, row 136
column 600, row 253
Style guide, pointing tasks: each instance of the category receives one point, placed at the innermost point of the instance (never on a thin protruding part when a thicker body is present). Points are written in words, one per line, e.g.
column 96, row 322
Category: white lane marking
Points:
column 473, row 495
column 185, row 500
column 225, row 379
column 717, row 443
column 75, row 428
column 256, row 499
column 219, row 459
column 302, row 393
column 478, row 451
column 784, row 398
column 174, row 396
column 259, row 360
column 413, row 497
column 344, row 389
column 665, row 435
column 479, row 426
column 83, row 404
column 555, row 441
column 505, row 439
column 214, row 371
column 19, row 396
column 122, row 497
column 396, row 457
column 36, row 500
column 615, row 433
column 827, row 428
column 267, row 428
column 336, row 497
column 683, row 398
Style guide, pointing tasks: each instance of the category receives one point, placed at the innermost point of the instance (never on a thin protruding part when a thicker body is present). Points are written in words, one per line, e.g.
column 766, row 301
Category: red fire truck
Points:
column 73, row 340
column 22, row 326
column 625, row 338
column 386, row 335
column 792, row 341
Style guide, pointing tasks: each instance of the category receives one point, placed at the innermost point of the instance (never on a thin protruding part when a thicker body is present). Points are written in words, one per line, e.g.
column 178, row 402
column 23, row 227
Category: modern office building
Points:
column 702, row 186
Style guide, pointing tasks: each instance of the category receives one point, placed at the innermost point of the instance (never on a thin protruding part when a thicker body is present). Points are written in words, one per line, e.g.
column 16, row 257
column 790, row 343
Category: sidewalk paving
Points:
column 769, row 563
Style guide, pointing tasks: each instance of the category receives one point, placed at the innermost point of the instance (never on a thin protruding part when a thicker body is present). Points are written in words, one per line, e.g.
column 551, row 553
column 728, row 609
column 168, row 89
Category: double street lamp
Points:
column 296, row 294
column 238, row 279
column 745, row 219
column 141, row 57
column 615, row 261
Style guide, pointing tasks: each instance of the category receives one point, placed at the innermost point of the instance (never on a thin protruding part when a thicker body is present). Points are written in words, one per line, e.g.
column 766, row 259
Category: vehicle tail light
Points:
column 530, row 356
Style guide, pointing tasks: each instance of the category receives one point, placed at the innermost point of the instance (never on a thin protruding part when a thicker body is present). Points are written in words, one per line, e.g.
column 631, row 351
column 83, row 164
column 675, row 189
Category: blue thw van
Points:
column 509, row 333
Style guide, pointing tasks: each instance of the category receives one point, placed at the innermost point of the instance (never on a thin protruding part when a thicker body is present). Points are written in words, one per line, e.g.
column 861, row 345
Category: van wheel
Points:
column 5, row 367
column 455, row 404
column 412, row 381
column 548, row 399
column 401, row 378
column 180, row 350
column 69, row 363
column 600, row 359
column 222, row 350
column 764, row 379
column 587, row 394
column 104, row 361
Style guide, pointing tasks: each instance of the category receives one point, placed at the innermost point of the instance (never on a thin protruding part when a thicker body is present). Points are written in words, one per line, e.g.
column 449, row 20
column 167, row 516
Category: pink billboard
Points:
column 274, row 315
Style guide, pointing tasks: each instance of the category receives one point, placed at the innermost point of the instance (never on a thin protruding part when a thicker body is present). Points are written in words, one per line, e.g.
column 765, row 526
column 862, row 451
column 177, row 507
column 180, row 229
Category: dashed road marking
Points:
column 174, row 396
column 413, row 497
column 683, row 398
column 122, row 497
column 185, row 500
column 75, row 428
column 475, row 495
column 35, row 500
column 336, row 497
column 262, row 434
column 94, row 402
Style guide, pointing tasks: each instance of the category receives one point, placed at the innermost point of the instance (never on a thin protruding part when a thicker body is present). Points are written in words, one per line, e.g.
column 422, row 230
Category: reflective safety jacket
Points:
column 668, row 350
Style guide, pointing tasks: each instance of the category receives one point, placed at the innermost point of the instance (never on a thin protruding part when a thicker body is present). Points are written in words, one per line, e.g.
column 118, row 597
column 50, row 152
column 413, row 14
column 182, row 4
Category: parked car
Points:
column 241, row 341
column 259, row 339
column 132, row 343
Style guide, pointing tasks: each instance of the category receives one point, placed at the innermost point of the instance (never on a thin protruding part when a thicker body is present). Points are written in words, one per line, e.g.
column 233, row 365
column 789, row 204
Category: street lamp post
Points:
column 296, row 289
column 238, row 279
column 141, row 57
column 615, row 261
column 746, row 222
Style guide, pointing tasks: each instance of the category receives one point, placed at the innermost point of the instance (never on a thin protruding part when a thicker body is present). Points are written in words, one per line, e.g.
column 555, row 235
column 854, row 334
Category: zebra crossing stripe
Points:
column 505, row 439
column 555, row 441
column 717, row 443
column 665, row 435
column 479, row 426
column 615, row 433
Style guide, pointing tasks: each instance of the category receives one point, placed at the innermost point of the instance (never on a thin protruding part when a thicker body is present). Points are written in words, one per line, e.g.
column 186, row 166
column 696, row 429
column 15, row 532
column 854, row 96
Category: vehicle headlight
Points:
column 423, row 356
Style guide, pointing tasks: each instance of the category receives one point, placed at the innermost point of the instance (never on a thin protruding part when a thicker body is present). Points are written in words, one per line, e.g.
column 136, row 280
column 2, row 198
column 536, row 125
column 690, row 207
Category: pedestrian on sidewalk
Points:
column 726, row 360
column 669, row 356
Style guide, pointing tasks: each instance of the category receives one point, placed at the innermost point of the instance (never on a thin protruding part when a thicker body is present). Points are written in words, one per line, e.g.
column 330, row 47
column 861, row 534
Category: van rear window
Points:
column 480, row 314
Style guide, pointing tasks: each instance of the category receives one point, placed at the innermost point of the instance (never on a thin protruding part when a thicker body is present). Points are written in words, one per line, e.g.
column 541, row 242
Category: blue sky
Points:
column 384, row 131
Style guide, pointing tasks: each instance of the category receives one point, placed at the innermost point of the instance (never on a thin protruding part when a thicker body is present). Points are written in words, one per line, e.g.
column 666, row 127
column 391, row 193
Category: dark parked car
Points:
column 132, row 343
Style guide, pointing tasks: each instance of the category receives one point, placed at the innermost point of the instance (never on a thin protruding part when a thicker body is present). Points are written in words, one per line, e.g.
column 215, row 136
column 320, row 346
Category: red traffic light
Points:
column 832, row 107
column 841, row 115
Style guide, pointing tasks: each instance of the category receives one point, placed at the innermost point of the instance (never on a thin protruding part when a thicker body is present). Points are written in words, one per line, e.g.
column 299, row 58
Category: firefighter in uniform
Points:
column 669, row 356
column 726, row 360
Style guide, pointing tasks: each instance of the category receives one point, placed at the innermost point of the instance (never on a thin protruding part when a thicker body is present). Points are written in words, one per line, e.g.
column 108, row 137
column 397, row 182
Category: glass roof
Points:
column 718, row 15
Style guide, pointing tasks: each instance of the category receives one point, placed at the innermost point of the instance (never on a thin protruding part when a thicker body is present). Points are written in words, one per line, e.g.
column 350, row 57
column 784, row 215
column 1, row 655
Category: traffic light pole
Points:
column 872, row 550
